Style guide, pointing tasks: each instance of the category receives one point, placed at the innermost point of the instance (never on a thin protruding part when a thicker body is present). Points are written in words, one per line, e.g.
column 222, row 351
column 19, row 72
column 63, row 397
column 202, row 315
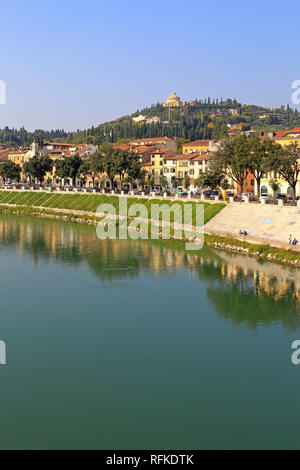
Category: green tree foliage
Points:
column 36, row 168
column 287, row 163
column 69, row 167
column 232, row 159
column 202, row 119
column 260, row 153
column 9, row 171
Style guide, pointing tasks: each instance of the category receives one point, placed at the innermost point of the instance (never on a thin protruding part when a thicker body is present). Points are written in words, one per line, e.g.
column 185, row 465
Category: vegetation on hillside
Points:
column 200, row 119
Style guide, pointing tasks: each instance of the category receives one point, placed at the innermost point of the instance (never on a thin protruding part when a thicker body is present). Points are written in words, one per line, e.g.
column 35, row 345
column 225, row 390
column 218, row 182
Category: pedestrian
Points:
column 290, row 239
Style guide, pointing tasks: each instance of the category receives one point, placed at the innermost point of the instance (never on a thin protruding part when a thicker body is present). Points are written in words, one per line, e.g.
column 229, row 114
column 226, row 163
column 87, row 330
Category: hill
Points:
column 200, row 119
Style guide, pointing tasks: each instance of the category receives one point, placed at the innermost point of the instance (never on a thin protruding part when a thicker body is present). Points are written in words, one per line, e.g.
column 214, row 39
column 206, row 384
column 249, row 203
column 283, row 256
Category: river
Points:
column 140, row 345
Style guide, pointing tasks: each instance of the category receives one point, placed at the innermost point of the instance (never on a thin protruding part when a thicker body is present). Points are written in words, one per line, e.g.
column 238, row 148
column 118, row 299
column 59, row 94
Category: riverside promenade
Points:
column 265, row 223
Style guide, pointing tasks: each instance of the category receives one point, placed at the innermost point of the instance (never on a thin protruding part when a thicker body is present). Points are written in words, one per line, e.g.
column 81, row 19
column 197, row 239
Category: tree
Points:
column 36, row 168
column 9, row 171
column 132, row 167
column 287, row 163
column 232, row 159
column 260, row 154
column 175, row 183
column 96, row 166
column 163, row 182
column 69, row 167
column 187, row 182
column 84, row 171
column 275, row 186
column 111, row 162
column 224, row 184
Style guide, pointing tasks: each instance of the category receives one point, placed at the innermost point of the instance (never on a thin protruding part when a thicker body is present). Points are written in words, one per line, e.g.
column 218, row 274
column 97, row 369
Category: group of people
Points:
column 293, row 241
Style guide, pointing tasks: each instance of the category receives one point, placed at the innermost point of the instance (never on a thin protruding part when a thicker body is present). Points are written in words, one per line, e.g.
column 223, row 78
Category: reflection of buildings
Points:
column 267, row 286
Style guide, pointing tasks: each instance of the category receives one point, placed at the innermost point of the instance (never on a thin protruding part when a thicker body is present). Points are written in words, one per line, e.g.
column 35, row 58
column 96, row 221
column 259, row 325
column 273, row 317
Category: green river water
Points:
column 140, row 345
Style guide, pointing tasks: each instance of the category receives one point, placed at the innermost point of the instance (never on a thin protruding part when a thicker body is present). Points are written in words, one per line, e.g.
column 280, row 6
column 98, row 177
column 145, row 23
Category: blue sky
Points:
column 73, row 64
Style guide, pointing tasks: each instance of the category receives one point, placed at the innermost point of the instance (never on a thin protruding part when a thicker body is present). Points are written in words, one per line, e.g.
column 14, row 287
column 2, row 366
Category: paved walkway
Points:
column 267, row 224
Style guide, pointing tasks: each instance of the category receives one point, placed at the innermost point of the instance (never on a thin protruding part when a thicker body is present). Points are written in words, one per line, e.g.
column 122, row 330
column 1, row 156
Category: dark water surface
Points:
column 139, row 345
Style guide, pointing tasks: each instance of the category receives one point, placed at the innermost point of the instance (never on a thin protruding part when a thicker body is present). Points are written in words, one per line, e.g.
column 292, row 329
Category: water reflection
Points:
column 240, row 288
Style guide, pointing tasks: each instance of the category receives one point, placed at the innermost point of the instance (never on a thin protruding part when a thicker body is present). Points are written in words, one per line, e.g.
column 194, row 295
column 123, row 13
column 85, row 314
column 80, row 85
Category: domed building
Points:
column 173, row 101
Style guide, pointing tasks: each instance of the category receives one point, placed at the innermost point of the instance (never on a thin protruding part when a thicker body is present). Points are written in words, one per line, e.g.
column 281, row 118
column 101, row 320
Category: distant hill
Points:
column 200, row 119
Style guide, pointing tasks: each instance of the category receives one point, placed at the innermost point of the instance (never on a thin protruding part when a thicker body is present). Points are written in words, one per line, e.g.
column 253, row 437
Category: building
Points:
column 58, row 146
column 4, row 154
column 283, row 138
column 163, row 143
column 139, row 118
column 157, row 164
column 145, row 147
column 180, row 167
column 173, row 101
column 197, row 146
column 234, row 129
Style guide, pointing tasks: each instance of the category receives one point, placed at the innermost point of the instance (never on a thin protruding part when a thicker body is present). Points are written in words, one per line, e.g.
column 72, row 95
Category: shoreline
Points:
column 261, row 251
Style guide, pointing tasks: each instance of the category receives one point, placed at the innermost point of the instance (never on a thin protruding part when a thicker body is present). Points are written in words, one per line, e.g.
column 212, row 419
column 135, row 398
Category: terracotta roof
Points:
column 147, row 164
column 160, row 151
column 61, row 144
column 277, row 135
column 83, row 150
column 187, row 156
column 123, row 147
column 197, row 143
column 4, row 155
column 203, row 156
column 296, row 130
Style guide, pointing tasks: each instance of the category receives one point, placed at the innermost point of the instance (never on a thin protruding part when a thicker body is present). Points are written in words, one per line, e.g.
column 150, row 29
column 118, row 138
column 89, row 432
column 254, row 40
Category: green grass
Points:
column 90, row 202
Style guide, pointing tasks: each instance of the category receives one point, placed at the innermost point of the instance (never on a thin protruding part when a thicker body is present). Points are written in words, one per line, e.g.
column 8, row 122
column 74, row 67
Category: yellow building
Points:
column 184, row 166
column 282, row 138
column 157, row 165
column 19, row 157
column 287, row 138
column 197, row 146
column 173, row 101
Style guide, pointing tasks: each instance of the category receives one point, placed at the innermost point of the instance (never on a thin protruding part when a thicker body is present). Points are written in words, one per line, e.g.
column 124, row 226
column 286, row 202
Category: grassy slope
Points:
column 90, row 202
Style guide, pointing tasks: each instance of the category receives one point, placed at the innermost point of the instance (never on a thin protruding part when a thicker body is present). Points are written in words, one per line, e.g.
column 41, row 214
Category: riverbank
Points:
column 81, row 203
column 261, row 251
column 265, row 224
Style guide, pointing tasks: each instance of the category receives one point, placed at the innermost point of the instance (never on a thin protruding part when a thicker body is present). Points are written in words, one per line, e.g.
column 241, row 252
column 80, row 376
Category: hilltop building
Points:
column 173, row 101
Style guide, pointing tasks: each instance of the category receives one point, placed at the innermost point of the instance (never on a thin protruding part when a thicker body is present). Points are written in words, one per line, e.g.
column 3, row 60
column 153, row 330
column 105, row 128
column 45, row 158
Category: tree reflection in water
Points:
column 242, row 289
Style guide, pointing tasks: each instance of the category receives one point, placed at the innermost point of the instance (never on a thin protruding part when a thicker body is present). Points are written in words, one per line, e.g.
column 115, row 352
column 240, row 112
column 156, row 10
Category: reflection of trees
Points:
column 241, row 304
column 240, row 288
